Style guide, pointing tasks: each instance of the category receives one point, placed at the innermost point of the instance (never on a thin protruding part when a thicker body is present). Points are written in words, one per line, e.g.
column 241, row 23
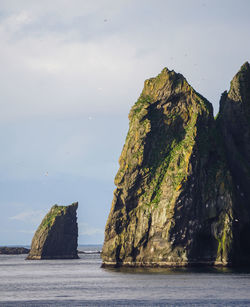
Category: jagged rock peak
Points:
column 167, row 85
column 240, row 85
column 56, row 237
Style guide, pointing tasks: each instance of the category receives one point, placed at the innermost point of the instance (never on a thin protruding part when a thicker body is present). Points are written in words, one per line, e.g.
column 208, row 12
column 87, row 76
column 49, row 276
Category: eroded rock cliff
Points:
column 56, row 237
column 175, row 197
column 234, row 123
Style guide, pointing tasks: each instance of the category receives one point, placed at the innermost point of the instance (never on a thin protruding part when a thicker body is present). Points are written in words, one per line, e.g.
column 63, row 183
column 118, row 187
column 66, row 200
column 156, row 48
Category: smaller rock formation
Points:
column 5, row 250
column 56, row 237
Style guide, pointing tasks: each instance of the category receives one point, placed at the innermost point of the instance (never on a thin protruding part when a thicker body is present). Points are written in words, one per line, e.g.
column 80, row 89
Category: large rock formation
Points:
column 234, row 124
column 56, row 237
column 175, row 199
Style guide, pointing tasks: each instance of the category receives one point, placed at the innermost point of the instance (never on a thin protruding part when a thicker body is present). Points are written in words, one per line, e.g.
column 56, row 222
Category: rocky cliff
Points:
column 234, row 124
column 56, row 237
column 175, row 199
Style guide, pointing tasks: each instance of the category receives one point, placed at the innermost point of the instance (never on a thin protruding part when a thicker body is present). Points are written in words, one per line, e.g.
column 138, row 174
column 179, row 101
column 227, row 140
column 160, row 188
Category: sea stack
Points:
column 175, row 200
column 56, row 237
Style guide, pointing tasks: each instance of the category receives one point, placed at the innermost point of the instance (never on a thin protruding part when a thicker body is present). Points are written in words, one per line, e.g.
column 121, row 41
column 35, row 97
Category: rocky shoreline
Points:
column 5, row 250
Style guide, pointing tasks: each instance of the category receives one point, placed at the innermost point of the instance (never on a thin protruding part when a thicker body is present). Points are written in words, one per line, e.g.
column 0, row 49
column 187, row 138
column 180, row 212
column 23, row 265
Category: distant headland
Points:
column 7, row 250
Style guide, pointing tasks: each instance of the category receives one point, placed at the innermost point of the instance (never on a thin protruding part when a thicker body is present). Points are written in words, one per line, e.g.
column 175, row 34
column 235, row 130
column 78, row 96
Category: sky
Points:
column 70, row 71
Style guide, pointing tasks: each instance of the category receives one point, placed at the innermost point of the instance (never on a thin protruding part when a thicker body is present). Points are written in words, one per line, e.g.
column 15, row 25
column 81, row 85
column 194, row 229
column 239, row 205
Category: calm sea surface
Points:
column 84, row 283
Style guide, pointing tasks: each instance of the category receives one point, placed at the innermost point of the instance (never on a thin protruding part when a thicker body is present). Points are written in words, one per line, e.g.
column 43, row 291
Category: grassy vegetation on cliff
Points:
column 49, row 219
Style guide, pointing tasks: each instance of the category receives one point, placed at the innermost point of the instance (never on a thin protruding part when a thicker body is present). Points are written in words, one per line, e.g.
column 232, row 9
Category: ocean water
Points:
column 84, row 283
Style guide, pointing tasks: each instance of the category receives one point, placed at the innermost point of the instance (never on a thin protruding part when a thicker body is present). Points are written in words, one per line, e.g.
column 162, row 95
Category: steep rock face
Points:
column 234, row 123
column 56, row 237
column 173, row 202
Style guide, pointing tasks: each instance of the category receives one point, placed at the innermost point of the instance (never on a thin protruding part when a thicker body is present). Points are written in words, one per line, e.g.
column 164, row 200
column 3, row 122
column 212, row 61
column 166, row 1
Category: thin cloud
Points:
column 31, row 216
column 15, row 22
